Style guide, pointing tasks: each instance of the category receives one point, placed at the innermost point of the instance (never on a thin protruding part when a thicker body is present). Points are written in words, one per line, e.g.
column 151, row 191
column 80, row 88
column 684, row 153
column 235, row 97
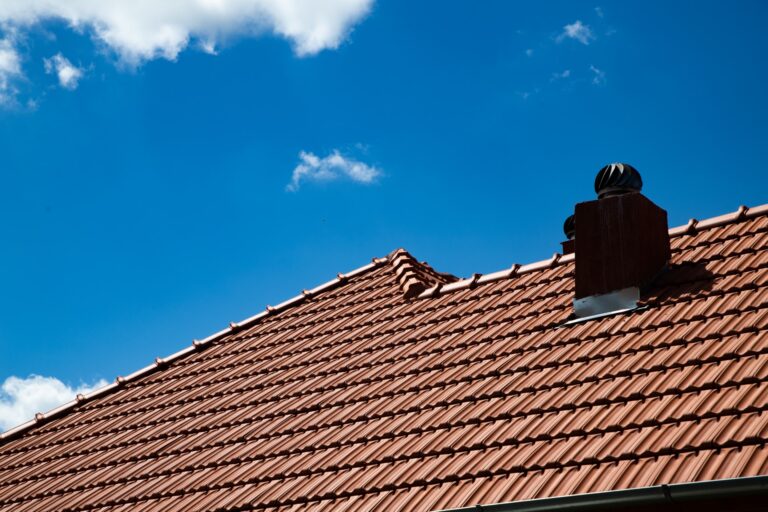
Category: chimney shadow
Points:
column 678, row 280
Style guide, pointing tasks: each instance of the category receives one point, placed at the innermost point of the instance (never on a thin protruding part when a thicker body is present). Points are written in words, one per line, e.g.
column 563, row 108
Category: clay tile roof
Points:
column 415, row 277
column 395, row 387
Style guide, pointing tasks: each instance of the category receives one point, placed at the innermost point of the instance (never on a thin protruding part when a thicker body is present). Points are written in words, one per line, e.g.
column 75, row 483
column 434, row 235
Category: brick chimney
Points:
column 621, row 241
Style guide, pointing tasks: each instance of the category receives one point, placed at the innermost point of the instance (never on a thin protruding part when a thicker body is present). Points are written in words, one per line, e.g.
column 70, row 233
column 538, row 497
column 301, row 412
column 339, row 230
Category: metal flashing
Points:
column 609, row 303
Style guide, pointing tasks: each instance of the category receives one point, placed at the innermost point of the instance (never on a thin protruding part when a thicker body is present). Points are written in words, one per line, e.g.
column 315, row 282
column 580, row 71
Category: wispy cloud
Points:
column 68, row 74
column 562, row 74
column 332, row 167
column 527, row 94
column 22, row 398
column 209, row 47
column 599, row 12
column 10, row 69
column 598, row 77
column 578, row 31
column 529, row 52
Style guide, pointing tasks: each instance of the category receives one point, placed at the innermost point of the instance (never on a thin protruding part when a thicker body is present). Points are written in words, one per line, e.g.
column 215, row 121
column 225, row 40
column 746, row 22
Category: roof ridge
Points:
column 741, row 213
column 691, row 228
column 197, row 345
column 414, row 276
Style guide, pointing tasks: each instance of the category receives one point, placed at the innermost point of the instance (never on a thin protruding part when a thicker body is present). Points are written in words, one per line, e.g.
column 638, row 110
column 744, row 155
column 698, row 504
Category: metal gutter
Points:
column 670, row 494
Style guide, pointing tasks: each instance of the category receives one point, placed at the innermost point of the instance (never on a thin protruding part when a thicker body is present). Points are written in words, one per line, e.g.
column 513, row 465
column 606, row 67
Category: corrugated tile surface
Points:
column 357, row 398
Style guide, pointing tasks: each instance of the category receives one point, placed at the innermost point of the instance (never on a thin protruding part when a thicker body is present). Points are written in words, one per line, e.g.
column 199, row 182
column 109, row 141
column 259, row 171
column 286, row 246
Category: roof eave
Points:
column 658, row 495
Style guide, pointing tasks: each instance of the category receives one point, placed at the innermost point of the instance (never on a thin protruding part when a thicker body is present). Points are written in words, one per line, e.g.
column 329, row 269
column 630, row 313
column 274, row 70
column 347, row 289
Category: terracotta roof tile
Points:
column 398, row 387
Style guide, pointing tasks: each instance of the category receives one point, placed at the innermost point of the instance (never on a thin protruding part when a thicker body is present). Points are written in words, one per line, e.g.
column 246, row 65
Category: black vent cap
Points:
column 617, row 178
column 569, row 227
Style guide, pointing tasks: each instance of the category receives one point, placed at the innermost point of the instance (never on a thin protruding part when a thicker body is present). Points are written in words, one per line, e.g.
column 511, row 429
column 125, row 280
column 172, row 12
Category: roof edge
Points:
column 161, row 362
column 514, row 270
column 664, row 494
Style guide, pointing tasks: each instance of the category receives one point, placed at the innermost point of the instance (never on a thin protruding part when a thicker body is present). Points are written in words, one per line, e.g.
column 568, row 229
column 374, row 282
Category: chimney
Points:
column 621, row 241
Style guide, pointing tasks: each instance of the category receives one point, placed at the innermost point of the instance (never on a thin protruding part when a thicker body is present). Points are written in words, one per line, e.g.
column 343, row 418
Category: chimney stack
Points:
column 621, row 241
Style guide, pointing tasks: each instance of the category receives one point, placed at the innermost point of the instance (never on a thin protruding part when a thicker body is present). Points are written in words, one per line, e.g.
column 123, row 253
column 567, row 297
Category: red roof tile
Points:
column 397, row 387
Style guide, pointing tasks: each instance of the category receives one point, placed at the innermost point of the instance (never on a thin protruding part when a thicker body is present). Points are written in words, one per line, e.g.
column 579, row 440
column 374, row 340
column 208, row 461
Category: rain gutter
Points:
column 658, row 495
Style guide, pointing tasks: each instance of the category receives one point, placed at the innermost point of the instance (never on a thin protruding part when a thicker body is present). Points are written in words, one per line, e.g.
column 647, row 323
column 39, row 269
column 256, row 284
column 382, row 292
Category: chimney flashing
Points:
column 617, row 301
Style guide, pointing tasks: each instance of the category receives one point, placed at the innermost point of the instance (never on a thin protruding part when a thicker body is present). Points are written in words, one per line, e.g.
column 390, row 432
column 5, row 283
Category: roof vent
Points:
column 616, row 179
column 622, row 243
column 569, row 227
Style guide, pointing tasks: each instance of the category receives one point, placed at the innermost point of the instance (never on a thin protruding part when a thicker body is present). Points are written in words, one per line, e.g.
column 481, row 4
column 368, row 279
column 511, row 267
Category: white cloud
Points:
column 529, row 52
column 10, row 69
column 599, row 77
column 332, row 167
column 209, row 47
column 139, row 30
column 599, row 12
column 563, row 74
column 21, row 399
column 69, row 75
column 578, row 31
column 525, row 95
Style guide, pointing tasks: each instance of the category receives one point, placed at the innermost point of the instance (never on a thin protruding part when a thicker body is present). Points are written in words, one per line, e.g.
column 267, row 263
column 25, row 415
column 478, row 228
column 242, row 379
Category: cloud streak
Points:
column 598, row 77
column 577, row 31
column 333, row 167
column 10, row 69
column 68, row 74
column 22, row 398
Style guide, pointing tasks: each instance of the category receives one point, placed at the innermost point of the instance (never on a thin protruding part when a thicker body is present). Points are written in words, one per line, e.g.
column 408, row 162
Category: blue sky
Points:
column 146, row 194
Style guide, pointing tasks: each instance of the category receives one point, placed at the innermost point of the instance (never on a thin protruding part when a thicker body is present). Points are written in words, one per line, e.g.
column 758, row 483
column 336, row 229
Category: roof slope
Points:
column 356, row 397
